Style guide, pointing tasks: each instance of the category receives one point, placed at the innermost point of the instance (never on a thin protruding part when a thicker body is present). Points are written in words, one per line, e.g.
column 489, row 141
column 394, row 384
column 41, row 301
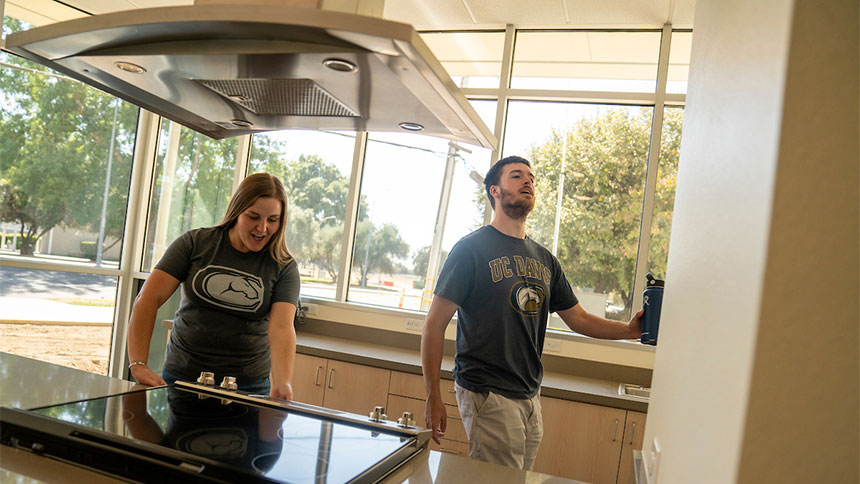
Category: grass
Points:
column 80, row 301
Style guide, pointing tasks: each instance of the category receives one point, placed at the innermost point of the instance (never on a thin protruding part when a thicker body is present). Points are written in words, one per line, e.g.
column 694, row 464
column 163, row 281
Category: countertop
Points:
column 28, row 383
column 558, row 385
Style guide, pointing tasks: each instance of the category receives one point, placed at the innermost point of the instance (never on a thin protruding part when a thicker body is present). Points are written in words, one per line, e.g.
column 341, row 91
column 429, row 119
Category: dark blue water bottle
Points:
column 652, row 301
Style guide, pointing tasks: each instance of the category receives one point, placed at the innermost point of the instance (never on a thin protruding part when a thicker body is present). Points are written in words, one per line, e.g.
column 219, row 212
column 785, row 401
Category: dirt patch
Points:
column 83, row 347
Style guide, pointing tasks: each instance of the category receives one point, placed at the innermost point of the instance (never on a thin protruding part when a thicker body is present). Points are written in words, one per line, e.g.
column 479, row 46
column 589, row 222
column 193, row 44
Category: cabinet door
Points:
column 634, row 434
column 355, row 388
column 580, row 441
column 309, row 373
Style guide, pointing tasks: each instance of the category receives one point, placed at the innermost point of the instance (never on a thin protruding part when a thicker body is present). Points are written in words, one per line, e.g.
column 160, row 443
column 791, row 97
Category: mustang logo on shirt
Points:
column 527, row 298
column 229, row 288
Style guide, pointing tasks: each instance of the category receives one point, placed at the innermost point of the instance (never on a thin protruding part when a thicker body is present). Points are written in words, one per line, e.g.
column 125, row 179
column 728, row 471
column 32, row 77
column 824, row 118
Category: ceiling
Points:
column 430, row 14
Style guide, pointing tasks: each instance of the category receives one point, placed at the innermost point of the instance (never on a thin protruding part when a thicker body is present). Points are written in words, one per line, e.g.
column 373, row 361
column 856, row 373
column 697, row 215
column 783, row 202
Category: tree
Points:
column 603, row 190
column 422, row 258
column 54, row 140
column 375, row 247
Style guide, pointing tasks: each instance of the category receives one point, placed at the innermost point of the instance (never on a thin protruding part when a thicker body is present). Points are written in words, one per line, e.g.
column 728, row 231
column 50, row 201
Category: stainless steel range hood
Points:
column 229, row 70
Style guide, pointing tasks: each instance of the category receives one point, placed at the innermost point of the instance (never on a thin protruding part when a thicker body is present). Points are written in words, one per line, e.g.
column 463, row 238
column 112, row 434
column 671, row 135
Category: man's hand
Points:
column 284, row 391
column 146, row 376
column 435, row 417
column 634, row 327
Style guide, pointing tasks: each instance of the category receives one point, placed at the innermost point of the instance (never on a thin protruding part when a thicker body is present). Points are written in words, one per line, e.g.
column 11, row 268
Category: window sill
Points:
column 558, row 343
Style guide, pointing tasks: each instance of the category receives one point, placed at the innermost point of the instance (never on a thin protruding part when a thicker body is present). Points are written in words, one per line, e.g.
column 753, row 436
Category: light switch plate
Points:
column 310, row 309
column 414, row 324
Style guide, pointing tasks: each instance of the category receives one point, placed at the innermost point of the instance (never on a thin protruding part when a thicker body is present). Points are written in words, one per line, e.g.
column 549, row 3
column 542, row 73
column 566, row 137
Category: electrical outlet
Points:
column 552, row 345
column 310, row 309
column 653, row 461
column 414, row 324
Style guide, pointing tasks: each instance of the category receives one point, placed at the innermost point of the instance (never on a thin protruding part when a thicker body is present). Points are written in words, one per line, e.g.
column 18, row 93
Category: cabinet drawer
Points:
column 411, row 385
column 397, row 405
column 450, row 447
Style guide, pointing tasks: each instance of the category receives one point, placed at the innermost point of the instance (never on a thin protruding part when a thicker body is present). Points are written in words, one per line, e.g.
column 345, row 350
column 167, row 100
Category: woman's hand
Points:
column 284, row 391
column 146, row 376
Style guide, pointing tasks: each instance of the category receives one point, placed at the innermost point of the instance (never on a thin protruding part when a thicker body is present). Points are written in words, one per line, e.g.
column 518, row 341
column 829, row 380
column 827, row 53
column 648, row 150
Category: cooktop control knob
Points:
column 229, row 383
column 378, row 414
column 206, row 378
column 406, row 420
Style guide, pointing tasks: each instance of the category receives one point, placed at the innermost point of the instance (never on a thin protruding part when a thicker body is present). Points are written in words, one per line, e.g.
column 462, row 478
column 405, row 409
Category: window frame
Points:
column 129, row 273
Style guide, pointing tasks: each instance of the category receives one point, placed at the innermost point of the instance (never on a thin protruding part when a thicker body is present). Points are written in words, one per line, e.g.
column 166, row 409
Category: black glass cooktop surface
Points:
column 272, row 443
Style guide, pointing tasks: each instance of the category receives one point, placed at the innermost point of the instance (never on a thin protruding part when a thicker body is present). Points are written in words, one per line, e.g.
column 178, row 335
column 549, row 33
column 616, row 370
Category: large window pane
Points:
column 596, row 156
column 315, row 168
column 472, row 59
column 60, row 317
column 664, row 197
column 679, row 62
column 65, row 159
column 192, row 185
column 401, row 190
column 586, row 61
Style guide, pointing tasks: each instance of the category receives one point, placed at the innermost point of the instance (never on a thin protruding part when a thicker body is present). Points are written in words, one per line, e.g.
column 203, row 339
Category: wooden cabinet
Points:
column 581, row 441
column 634, row 435
column 339, row 385
column 406, row 393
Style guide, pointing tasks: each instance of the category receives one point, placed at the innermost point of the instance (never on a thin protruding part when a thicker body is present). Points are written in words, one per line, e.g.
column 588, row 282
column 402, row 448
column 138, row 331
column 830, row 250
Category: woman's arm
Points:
column 159, row 286
column 282, row 348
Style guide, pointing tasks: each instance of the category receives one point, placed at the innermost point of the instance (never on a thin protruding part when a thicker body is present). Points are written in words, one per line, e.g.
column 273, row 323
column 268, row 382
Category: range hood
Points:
column 230, row 70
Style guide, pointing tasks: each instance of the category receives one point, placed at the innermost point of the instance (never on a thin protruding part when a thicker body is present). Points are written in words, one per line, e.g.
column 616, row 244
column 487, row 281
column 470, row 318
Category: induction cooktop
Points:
column 191, row 432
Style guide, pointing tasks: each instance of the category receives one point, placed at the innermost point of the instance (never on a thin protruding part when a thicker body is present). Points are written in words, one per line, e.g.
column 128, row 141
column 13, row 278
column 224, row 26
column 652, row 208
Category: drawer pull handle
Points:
column 615, row 433
column 449, row 451
column 331, row 378
column 633, row 433
column 317, row 377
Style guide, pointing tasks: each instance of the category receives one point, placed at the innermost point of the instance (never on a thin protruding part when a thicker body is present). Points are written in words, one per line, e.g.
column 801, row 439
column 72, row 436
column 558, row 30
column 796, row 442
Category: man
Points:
column 503, row 286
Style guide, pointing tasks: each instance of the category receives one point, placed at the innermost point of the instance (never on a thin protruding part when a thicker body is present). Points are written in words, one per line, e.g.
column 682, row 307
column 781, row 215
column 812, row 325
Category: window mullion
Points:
column 653, row 163
column 146, row 145
column 350, row 220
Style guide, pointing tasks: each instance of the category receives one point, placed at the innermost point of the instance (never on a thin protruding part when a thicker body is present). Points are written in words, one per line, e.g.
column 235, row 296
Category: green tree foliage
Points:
column 54, row 140
column 422, row 258
column 376, row 249
column 603, row 189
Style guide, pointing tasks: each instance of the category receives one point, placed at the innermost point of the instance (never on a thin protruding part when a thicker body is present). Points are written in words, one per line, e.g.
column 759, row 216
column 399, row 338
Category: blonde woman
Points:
column 240, row 288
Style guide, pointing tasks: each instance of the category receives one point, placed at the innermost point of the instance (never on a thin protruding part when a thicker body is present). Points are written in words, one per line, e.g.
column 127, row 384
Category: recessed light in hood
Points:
column 229, row 70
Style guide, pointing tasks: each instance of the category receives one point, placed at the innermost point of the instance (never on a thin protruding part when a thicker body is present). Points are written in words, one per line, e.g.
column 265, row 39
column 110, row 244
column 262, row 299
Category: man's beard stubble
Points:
column 516, row 209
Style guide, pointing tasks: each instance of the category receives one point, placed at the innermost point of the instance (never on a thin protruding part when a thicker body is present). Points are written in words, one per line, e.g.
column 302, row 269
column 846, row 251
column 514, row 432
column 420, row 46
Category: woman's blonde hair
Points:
column 253, row 187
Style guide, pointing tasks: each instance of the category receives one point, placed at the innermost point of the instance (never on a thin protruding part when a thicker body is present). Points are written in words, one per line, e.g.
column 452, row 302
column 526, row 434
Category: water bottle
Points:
column 652, row 301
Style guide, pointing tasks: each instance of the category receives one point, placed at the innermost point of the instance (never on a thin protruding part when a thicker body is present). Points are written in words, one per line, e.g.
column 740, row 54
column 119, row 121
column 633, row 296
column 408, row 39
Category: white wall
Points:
column 757, row 374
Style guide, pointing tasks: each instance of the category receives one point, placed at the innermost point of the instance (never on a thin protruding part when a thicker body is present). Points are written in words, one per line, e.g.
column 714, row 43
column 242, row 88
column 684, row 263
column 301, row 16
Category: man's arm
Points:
column 583, row 322
column 432, row 342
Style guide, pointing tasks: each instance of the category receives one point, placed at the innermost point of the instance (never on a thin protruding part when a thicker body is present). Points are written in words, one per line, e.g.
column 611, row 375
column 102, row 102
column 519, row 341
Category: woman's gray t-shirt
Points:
column 222, row 321
column 505, row 288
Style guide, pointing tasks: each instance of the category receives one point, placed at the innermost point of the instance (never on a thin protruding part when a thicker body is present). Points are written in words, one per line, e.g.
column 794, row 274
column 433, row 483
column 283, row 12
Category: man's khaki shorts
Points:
column 501, row 430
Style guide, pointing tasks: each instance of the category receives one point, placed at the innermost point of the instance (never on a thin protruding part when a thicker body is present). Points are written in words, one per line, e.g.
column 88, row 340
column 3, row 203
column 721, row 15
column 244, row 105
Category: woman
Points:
column 240, row 288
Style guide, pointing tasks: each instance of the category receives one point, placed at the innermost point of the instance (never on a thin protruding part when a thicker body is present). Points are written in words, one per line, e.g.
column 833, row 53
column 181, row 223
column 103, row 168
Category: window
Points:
column 66, row 152
column 315, row 168
column 472, row 59
column 401, row 189
column 679, row 62
column 66, row 160
column 586, row 61
column 664, row 197
column 589, row 162
column 192, row 185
